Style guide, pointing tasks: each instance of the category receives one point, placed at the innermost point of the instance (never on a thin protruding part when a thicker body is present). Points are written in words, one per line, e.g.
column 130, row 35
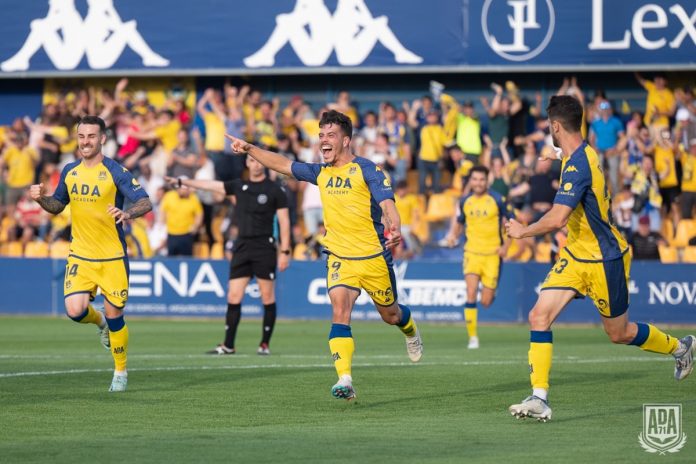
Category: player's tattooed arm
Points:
column 140, row 207
column 392, row 222
column 50, row 204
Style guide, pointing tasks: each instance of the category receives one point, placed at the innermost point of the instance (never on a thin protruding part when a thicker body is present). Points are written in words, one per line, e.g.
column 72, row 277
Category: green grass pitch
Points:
column 184, row 406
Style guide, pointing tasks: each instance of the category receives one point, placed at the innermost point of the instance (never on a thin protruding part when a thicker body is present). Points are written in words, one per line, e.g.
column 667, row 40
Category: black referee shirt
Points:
column 256, row 206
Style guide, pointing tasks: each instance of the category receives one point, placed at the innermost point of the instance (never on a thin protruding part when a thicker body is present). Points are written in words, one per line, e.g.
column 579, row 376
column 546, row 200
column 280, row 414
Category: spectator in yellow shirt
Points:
column 433, row 141
column 408, row 208
column 212, row 111
column 666, row 168
column 183, row 214
column 660, row 104
column 166, row 131
column 20, row 161
column 469, row 133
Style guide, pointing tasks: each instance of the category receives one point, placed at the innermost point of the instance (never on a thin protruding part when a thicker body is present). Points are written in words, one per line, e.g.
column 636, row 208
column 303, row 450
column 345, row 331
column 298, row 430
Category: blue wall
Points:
column 434, row 290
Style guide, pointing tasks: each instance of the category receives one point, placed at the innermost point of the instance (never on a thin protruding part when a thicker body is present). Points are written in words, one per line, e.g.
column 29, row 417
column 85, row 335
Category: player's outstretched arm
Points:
column 215, row 186
column 556, row 218
column 50, row 204
column 271, row 160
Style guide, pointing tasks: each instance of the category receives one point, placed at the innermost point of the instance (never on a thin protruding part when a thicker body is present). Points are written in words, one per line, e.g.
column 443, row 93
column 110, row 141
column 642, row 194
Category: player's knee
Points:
column 486, row 300
column 539, row 320
column 234, row 296
column 74, row 311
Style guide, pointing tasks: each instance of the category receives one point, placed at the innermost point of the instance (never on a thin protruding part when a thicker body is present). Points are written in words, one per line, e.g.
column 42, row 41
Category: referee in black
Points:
column 255, row 254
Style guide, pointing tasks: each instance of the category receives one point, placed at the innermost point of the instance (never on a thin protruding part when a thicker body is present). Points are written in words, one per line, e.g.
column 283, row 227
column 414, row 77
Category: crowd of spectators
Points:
column 427, row 147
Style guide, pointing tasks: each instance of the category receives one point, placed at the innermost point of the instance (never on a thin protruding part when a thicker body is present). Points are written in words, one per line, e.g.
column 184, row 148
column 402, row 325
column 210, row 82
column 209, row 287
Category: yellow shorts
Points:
column 374, row 275
column 487, row 267
column 82, row 276
column 605, row 282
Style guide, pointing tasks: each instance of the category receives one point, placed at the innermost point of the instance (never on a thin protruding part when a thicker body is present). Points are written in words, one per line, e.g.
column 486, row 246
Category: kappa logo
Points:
column 497, row 20
column 74, row 173
column 571, row 169
column 352, row 170
column 662, row 429
column 102, row 175
column 314, row 34
column 66, row 37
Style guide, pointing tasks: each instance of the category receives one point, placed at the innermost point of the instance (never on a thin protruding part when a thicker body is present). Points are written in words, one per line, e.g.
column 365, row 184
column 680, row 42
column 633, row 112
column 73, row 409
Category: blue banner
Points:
column 435, row 291
column 113, row 37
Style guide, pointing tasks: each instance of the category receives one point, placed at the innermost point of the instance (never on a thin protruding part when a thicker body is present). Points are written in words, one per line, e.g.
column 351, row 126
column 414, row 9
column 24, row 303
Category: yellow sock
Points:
column 650, row 338
column 540, row 354
column 407, row 324
column 118, row 336
column 410, row 328
column 90, row 316
column 471, row 319
column 342, row 347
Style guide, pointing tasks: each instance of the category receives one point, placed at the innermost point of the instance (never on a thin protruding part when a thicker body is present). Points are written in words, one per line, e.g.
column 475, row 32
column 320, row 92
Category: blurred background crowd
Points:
column 426, row 145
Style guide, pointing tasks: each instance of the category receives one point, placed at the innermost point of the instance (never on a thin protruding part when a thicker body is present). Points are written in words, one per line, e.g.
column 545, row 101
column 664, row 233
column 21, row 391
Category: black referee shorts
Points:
column 254, row 258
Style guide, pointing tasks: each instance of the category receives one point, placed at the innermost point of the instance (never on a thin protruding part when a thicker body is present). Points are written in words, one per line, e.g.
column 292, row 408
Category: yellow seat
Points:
column 301, row 252
column 216, row 227
column 36, row 250
column 514, row 248
column 440, row 207
column 668, row 254
column 689, row 255
column 686, row 229
column 5, row 226
column 217, row 251
column 542, row 254
column 60, row 249
column 667, row 230
column 201, row 250
column 14, row 249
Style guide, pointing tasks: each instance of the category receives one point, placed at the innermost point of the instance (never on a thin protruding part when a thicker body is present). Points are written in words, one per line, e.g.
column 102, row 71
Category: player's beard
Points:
column 91, row 151
column 554, row 140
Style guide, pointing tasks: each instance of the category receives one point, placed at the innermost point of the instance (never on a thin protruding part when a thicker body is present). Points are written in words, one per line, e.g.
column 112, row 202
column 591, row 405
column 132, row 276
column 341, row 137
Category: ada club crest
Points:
column 662, row 429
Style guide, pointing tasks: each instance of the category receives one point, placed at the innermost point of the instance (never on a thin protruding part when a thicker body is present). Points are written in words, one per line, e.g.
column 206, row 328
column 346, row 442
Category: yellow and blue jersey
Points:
column 89, row 191
column 350, row 196
column 483, row 215
column 592, row 236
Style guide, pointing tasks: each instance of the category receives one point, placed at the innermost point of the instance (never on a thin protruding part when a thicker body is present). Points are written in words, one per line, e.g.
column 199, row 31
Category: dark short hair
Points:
column 567, row 110
column 482, row 169
column 93, row 121
column 339, row 119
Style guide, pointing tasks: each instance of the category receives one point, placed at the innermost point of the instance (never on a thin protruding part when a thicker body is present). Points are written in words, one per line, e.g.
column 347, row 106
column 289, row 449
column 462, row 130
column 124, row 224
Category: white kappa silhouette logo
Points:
column 66, row 37
column 523, row 17
column 313, row 33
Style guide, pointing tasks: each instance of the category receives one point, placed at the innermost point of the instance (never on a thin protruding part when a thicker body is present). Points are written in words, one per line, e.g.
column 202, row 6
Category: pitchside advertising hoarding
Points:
column 113, row 37
column 434, row 290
